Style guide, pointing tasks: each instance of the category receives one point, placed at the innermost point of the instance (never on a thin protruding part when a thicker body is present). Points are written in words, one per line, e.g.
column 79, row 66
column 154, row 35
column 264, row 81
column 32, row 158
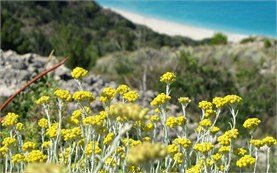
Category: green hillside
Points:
column 82, row 30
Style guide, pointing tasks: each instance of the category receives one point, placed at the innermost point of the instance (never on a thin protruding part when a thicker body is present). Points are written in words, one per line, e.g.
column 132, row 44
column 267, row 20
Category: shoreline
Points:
column 175, row 29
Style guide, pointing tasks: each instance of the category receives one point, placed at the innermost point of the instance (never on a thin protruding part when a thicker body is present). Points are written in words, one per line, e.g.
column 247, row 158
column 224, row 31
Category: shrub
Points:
column 218, row 39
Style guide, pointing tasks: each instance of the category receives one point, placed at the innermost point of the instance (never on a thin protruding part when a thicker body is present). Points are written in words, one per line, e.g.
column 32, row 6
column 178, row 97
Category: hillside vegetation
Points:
column 81, row 30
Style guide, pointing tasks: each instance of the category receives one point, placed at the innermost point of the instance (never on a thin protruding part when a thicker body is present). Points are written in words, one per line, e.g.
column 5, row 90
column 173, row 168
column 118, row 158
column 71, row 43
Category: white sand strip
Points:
column 174, row 29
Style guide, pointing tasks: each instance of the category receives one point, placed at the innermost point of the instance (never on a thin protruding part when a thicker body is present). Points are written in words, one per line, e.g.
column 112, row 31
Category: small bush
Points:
column 218, row 39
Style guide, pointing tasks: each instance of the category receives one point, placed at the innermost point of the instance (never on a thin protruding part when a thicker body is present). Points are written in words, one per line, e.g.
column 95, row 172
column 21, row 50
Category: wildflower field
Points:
column 126, row 137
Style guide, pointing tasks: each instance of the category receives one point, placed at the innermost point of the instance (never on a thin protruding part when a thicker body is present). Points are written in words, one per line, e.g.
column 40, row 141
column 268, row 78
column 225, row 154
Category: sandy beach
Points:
column 174, row 29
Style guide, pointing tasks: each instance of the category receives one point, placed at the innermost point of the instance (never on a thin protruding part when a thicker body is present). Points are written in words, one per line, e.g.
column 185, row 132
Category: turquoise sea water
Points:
column 256, row 17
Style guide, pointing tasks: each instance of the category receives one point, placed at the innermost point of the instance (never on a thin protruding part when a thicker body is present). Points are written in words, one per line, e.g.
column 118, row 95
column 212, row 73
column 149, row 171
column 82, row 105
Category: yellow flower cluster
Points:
column 127, row 111
column 224, row 149
column 246, row 161
column 107, row 94
column 205, row 123
column 168, row 78
column 108, row 139
column 19, row 126
column 218, row 102
column 95, row 120
column 8, row 141
column 207, row 107
column 216, row 156
column 79, row 72
column 154, row 118
column 240, row 151
column 46, row 144
column 231, row 99
column 52, row 130
column 178, row 158
column 35, row 156
column 43, row 123
column 145, row 152
column 92, row 148
column 226, row 138
column 28, row 146
column 269, row 141
column 184, row 142
column 214, row 130
column 131, row 96
column 10, row 119
column 160, row 99
column 3, row 151
column 175, row 121
column 42, row 100
column 195, row 169
column 184, row 100
column 172, row 149
column 71, row 134
column 63, row 94
column 130, row 142
column 83, row 96
column 203, row 147
column 77, row 114
column 251, row 123
column 122, row 89
column 17, row 158
column 111, row 162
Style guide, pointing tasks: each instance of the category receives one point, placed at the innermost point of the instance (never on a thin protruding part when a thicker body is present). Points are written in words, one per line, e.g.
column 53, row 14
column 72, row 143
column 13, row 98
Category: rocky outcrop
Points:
column 16, row 70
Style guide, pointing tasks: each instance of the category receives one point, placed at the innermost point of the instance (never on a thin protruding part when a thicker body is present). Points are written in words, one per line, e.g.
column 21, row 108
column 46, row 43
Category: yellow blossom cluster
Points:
column 76, row 115
column 107, row 94
column 46, row 144
column 207, row 107
column 216, row 156
column 184, row 100
column 42, row 100
column 127, row 111
column 160, row 99
column 175, row 121
column 240, row 151
column 251, row 123
column 79, row 72
column 3, row 151
column 10, row 119
column 83, row 96
column 131, row 96
column 232, row 99
column 178, row 158
column 17, row 158
column 19, row 126
column 145, row 152
column 205, row 123
column 183, row 142
column 122, row 89
column 214, row 129
column 29, row 145
column 43, row 123
column 8, row 141
column 226, row 138
column 95, row 120
column 52, row 130
column 203, row 147
column 35, row 156
column 71, row 134
column 63, row 94
column 246, row 161
column 108, row 139
column 168, row 78
column 92, row 148
column 224, row 149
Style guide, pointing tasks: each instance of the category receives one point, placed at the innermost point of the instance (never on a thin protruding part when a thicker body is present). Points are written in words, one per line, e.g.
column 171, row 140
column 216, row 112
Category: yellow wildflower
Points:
column 10, row 119
column 160, row 99
column 168, row 78
column 269, row 141
column 92, row 148
column 224, row 149
column 251, row 123
column 28, row 146
column 83, row 96
column 52, row 130
column 71, row 134
column 35, row 156
column 203, row 147
column 17, row 158
column 184, row 100
column 145, row 152
column 231, row 99
column 178, row 158
column 205, row 123
column 8, row 141
column 122, row 89
column 245, row 161
column 79, row 72
column 219, row 102
column 131, row 96
column 240, row 151
column 43, row 123
column 19, row 126
column 46, row 144
column 107, row 94
column 63, row 94
column 184, row 142
column 42, row 100
column 109, row 138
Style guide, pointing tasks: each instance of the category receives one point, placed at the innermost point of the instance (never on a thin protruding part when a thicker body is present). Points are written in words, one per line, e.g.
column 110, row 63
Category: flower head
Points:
column 10, row 119
column 246, row 161
column 122, row 89
column 83, row 96
column 160, row 99
column 203, row 147
column 63, row 94
column 43, row 123
column 131, row 96
column 184, row 100
column 42, row 100
column 35, row 156
column 168, row 78
column 79, row 72
column 251, row 123
column 28, row 146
